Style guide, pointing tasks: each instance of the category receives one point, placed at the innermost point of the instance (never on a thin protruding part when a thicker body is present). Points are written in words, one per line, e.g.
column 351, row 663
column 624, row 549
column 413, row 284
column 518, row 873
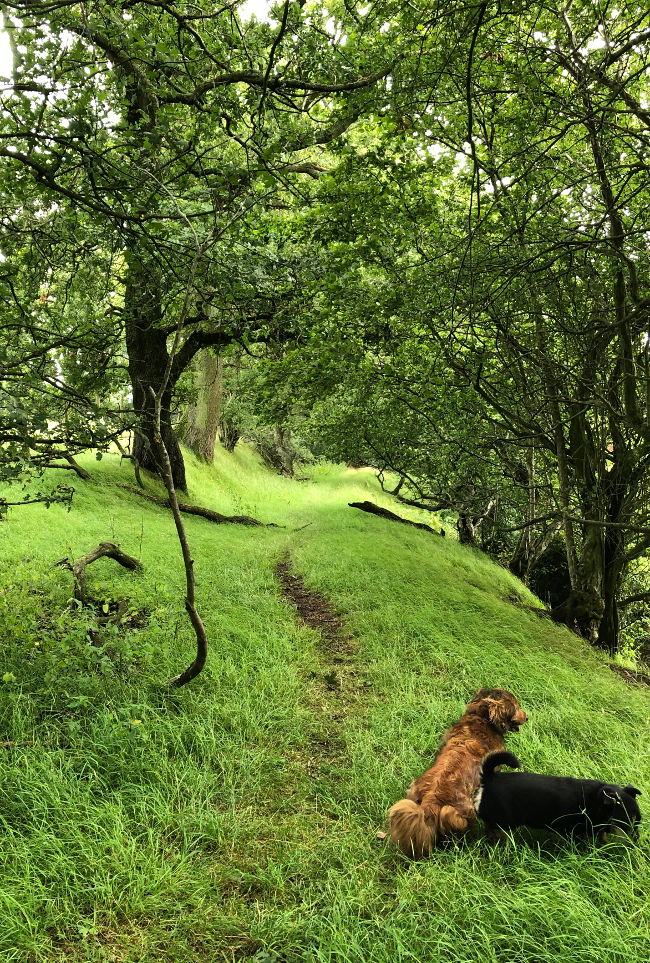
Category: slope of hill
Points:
column 237, row 818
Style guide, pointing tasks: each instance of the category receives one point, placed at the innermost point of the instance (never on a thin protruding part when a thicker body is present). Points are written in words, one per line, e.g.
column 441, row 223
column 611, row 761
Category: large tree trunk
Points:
column 608, row 637
column 608, row 629
column 146, row 347
column 283, row 444
column 204, row 416
column 466, row 529
column 521, row 561
column 583, row 609
column 582, row 612
column 228, row 434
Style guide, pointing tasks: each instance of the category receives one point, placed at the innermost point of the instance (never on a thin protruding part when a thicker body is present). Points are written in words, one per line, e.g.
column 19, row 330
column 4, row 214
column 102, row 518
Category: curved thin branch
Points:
column 104, row 549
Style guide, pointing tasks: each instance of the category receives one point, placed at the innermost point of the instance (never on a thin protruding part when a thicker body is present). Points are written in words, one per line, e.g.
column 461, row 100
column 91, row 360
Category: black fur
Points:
column 505, row 800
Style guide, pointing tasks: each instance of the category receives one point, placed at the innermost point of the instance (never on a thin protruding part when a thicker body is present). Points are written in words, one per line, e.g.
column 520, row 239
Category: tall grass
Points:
column 237, row 818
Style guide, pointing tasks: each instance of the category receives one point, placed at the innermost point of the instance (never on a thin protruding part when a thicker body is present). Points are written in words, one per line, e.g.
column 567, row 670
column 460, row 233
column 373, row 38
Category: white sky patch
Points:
column 436, row 151
column 596, row 43
column 258, row 7
column 334, row 30
column 461, row 163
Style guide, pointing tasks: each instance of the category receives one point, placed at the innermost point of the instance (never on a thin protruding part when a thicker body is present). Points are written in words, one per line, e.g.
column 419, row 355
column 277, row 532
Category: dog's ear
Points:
column 479, row 705
column 609, row 797
column 500, row 713
column 632, row 790
column 480, row 695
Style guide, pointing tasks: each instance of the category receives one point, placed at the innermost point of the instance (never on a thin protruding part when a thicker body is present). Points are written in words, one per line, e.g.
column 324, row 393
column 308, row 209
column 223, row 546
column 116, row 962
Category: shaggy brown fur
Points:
column 441, row 802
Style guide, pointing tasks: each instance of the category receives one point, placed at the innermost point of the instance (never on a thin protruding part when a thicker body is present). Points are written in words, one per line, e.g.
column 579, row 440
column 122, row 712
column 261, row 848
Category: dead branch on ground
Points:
column 211, row 516
column 391, row 516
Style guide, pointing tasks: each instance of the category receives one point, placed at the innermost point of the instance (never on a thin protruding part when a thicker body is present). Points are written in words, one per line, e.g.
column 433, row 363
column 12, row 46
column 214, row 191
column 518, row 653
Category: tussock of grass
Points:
column 237, row 818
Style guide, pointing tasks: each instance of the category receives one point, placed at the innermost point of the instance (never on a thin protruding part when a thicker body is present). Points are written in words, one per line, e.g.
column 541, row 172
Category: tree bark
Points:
column 614, row 551
column 582, row 612
column 521, row 560
column 204, row 416
column 228, row 434
column 211, row 516
column 77, row 467
column 283, row 444
column 608, row 629
column 78, row 568
column 146, row 346
column 466, row 529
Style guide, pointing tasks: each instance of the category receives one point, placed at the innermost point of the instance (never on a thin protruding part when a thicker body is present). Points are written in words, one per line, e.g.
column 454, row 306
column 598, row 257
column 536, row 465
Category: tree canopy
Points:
column 425, row 224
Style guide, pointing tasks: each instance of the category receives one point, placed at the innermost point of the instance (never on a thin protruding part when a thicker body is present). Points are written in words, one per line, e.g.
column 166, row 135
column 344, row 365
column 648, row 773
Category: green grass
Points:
column 236, row 818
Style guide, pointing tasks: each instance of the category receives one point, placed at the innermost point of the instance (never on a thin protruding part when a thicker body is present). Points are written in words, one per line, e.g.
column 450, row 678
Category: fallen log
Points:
column 391, row 516
column 211, row 516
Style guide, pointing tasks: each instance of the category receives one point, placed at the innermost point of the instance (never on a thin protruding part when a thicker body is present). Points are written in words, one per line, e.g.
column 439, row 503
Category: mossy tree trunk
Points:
column 204, row 416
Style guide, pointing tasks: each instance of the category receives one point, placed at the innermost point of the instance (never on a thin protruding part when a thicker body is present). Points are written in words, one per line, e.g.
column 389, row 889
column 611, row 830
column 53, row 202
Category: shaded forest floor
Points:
column 237, row 818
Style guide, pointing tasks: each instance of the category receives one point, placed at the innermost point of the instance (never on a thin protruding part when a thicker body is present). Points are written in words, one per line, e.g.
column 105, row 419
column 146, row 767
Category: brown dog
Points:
column 441, row 802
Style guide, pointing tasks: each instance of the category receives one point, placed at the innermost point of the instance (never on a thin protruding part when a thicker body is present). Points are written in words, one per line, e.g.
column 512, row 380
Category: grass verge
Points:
column 236, row 819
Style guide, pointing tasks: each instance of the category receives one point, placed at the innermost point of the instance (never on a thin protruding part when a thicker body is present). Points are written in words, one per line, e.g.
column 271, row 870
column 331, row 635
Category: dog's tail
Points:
column 497, row 759
column 411, row 830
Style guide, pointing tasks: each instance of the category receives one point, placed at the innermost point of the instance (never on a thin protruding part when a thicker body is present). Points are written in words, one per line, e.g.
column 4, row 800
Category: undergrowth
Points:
column 237, row 818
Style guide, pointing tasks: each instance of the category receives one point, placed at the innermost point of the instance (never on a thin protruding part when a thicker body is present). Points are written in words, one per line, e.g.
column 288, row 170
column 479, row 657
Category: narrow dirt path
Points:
column 314, row 610
column 338, row 687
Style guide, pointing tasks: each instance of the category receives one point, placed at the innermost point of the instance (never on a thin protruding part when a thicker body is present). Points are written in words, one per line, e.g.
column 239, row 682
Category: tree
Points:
column 552, row 330
column 59, row 366
column 138, row 117
column 499, row 225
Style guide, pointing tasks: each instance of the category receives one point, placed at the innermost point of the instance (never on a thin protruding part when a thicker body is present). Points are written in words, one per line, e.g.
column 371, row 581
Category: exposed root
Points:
column 78, row 568
column 211, row 516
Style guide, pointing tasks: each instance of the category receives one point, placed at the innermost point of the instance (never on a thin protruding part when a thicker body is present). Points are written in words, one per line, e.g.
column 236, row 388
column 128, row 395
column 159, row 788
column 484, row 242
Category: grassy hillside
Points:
column 236, row 818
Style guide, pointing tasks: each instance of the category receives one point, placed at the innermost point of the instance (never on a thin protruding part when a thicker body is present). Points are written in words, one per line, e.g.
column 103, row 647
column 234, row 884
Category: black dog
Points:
column 568, row 806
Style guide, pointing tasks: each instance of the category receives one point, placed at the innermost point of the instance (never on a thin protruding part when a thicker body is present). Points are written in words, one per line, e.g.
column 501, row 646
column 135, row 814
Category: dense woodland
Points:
column 406, row 235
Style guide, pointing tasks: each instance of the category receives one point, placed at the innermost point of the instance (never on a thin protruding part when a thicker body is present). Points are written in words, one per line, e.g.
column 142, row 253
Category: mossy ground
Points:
column 237, row 818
